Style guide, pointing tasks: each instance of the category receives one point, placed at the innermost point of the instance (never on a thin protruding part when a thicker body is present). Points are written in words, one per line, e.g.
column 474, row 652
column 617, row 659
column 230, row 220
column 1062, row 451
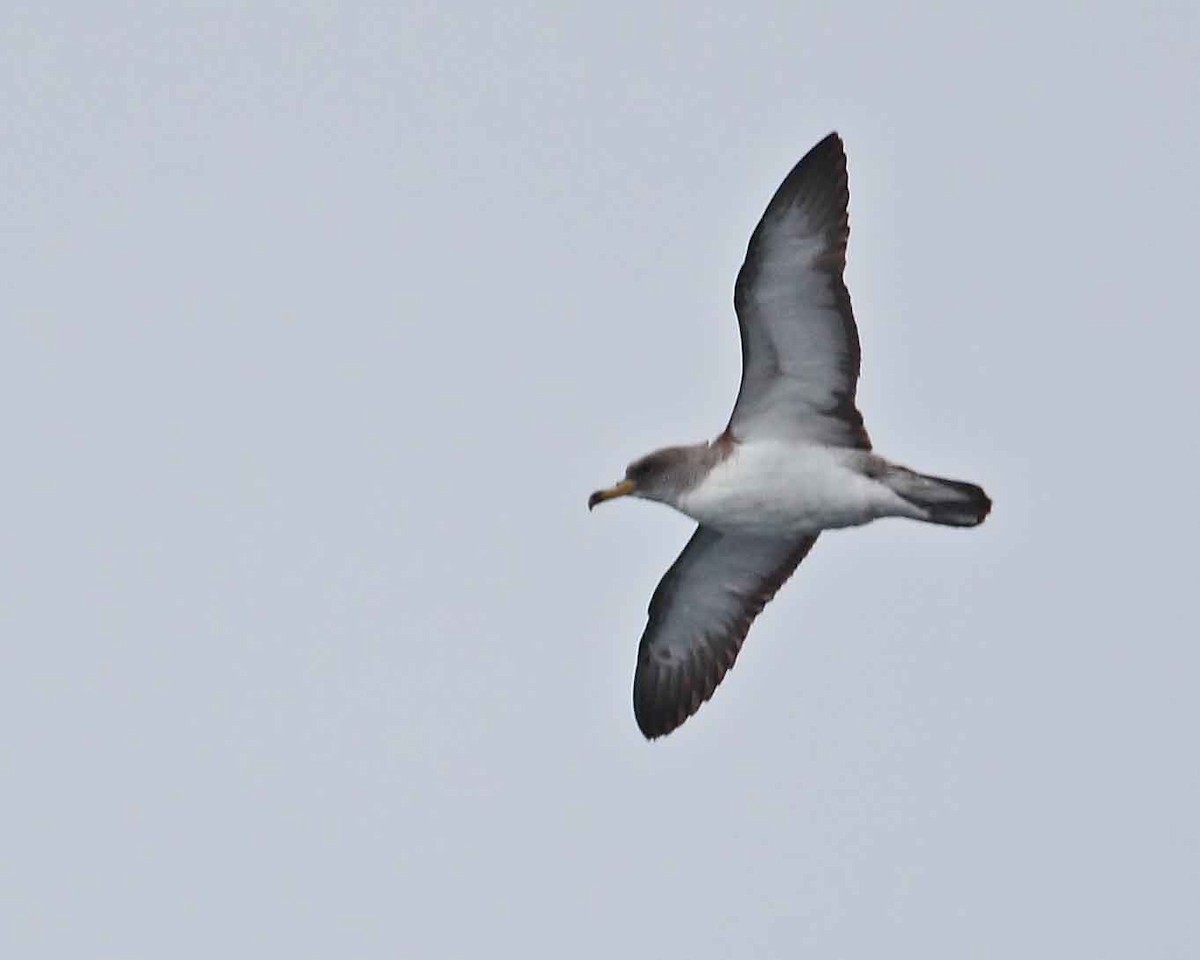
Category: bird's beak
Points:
column 622, row 489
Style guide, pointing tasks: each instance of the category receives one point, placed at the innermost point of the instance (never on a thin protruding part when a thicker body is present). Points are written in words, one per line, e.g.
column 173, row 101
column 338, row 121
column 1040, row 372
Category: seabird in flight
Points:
column 794, row 459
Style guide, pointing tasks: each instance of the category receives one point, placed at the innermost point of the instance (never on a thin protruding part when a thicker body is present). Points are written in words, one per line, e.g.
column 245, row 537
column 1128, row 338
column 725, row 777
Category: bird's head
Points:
column 662, row 475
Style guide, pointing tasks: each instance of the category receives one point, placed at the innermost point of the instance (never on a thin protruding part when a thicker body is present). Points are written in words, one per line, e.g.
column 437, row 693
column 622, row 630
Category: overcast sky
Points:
column 318, row 326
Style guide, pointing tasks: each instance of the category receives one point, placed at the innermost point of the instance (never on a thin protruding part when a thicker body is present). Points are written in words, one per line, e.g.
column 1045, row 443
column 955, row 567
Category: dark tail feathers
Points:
column 953, row 503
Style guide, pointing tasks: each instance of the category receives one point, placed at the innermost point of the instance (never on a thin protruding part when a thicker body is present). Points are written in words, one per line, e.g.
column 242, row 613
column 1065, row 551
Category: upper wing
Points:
column 800, row 350
column 699, row 616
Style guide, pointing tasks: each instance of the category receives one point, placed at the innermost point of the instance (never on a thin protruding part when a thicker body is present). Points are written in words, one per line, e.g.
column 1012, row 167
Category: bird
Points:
column 794, row 459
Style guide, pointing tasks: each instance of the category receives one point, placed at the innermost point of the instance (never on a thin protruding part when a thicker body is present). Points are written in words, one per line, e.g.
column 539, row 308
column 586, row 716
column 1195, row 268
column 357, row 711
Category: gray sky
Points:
column 319, row 326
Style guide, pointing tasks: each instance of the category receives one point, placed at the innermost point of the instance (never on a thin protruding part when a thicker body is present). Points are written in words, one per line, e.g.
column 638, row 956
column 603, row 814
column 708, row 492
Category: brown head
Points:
column 663, row 475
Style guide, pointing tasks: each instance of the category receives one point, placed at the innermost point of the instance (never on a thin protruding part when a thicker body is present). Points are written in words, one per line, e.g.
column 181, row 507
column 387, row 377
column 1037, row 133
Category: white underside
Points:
column 773, row 488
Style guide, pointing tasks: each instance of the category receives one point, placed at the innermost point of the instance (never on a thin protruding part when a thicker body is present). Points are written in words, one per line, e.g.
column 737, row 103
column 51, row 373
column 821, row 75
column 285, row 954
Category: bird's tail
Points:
column 953, row 503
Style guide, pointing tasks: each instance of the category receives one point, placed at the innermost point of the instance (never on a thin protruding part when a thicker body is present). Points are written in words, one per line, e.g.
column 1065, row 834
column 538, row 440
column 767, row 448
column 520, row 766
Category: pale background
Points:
column 320, row 323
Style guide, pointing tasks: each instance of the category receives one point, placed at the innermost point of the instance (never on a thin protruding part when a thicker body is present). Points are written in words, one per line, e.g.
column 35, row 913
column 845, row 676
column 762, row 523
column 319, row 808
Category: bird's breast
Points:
column 774, row 488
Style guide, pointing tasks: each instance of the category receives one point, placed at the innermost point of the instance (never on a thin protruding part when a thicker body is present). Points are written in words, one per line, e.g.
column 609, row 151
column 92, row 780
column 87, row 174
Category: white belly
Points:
column 775, row 489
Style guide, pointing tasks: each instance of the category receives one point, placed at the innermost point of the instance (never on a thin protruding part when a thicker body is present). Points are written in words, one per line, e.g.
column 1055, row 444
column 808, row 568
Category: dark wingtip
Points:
column 820, row 181
column 829, row 147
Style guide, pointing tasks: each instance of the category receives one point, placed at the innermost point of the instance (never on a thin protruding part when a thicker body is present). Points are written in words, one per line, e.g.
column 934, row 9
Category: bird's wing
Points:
column 800, row 350
column 699, row 616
